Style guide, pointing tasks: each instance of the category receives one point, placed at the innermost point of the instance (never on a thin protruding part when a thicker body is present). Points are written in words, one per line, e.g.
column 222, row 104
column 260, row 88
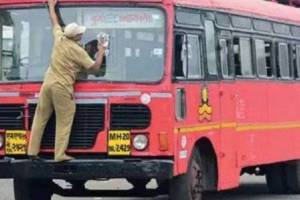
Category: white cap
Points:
column 73, row 29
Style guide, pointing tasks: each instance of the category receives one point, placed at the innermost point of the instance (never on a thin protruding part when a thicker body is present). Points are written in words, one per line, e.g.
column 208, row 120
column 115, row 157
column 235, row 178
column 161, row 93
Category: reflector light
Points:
column 163, row 141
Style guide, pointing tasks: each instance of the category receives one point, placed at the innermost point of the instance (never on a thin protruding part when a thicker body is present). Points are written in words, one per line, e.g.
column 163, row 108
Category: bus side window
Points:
column 7, row 53
column 224, row 47
column 263, row 51
column 242, row 57
column 180, row 61
column 283, row 64
column 211, row 54
column 188, row 63
column 296, row 61
column 195, row 66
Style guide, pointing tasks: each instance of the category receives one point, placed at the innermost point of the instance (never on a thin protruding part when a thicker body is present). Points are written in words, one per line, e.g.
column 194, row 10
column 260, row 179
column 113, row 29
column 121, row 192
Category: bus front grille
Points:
column 88, row 122
column 129, row 116
column 12, row 116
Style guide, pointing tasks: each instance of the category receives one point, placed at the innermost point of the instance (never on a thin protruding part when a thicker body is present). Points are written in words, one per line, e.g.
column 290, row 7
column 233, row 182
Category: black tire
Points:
column 32, row 189
column 292, row 170
column 188, row 186
column 276, row 179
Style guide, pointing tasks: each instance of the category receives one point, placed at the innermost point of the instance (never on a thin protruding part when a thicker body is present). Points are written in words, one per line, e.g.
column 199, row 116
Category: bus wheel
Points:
column 32, row 189
column 188, row 186
column 292, row 170
column 276, row 179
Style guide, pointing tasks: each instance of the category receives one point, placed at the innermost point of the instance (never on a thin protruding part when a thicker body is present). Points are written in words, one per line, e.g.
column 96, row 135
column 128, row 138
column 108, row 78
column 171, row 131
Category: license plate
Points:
column 15, row 142
column 119, row 143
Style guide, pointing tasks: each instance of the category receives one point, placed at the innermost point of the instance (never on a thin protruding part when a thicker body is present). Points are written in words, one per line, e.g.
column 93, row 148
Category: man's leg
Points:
column 64, row 106
column 43, row 112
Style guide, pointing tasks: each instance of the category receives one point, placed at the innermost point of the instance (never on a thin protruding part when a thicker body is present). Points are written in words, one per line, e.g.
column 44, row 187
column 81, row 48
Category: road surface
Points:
column 252, row 188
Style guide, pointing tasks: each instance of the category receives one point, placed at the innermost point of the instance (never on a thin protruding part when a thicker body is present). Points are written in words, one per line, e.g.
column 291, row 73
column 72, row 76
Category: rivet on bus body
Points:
column 221, row 92
column 163, row 141
column 145, row 98
column 222, row 155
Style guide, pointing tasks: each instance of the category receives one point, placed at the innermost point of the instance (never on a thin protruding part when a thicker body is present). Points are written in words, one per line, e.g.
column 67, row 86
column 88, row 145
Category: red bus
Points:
column 193, row 93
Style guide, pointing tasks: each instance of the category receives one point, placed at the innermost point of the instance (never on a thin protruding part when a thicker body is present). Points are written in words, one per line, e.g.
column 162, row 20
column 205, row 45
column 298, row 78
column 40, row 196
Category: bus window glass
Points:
column 294, row 62
column 282, row 29
column 246, row 58
column 262, row 25
column 297, row 64
column 187, row 55
column 242, row 57
column 7, row 53
column 180, row 55
column 241, row 22
column 283, row 65
column 223, row 19
column 210, row 47
column 227, row 71
column 188, row 17
column 295, row 31
column 260, row 58
column 268, row 55
column 137, row 46
column 195, row 68
column 263, row 58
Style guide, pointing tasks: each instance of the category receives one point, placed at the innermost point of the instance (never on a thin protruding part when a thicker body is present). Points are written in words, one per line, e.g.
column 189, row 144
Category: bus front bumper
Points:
column 94, row 169
column 5, row 169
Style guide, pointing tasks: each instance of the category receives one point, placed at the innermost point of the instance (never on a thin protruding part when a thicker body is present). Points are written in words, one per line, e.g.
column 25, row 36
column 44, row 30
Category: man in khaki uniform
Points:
column 57, row 92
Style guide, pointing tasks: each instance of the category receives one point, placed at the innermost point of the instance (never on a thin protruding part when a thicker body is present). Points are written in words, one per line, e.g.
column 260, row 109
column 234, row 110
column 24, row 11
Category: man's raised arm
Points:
column 53, row 15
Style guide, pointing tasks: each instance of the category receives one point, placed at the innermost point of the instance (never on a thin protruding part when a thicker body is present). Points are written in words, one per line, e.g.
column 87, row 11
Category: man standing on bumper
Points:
column 57, row 92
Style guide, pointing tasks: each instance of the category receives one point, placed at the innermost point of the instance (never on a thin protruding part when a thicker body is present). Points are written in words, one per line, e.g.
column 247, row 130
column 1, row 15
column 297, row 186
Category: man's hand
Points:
column 53, row 15
column 100, row 55
column 52, row 3
column 101, row 47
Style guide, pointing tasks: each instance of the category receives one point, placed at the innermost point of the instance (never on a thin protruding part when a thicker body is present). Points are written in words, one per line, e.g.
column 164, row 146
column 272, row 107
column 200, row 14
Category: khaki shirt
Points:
column 67, row 60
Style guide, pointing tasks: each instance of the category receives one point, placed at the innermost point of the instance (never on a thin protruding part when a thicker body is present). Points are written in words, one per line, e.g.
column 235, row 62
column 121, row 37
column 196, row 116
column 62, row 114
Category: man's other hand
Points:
column 101, row 47
column 52, row 3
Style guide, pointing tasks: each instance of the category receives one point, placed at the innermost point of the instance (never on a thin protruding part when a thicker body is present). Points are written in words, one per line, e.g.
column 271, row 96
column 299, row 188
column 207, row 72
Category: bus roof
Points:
column 72, row 1
column 256, row 8
column 249, row 7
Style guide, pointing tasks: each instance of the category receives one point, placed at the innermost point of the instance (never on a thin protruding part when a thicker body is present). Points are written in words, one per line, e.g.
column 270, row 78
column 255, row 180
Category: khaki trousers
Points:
column 53, row 97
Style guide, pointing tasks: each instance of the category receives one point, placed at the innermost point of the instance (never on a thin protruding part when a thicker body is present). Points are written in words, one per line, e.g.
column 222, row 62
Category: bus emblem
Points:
column 204, row 110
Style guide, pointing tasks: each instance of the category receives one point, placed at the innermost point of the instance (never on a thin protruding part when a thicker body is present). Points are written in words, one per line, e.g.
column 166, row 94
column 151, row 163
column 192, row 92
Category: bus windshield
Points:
column 136, row 52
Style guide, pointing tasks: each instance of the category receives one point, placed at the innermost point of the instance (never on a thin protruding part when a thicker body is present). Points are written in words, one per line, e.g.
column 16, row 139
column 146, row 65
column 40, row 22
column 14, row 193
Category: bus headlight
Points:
column 140, row 142
column 1, row 141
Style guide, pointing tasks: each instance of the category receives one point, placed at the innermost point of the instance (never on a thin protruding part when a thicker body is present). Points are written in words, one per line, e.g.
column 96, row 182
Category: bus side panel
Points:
column 243, row 106
column 251, row 113
column 271, row 129
column 284, row 120
column 229, row 171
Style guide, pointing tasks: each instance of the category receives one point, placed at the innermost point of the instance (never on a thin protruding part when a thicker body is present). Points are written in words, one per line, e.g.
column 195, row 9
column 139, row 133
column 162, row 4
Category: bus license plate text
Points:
column 15, row 142
column 119, row 143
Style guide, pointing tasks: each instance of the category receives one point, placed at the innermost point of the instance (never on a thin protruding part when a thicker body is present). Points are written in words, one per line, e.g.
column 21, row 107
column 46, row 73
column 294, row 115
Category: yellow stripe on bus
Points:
column 254, row 127
column 238, row 127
